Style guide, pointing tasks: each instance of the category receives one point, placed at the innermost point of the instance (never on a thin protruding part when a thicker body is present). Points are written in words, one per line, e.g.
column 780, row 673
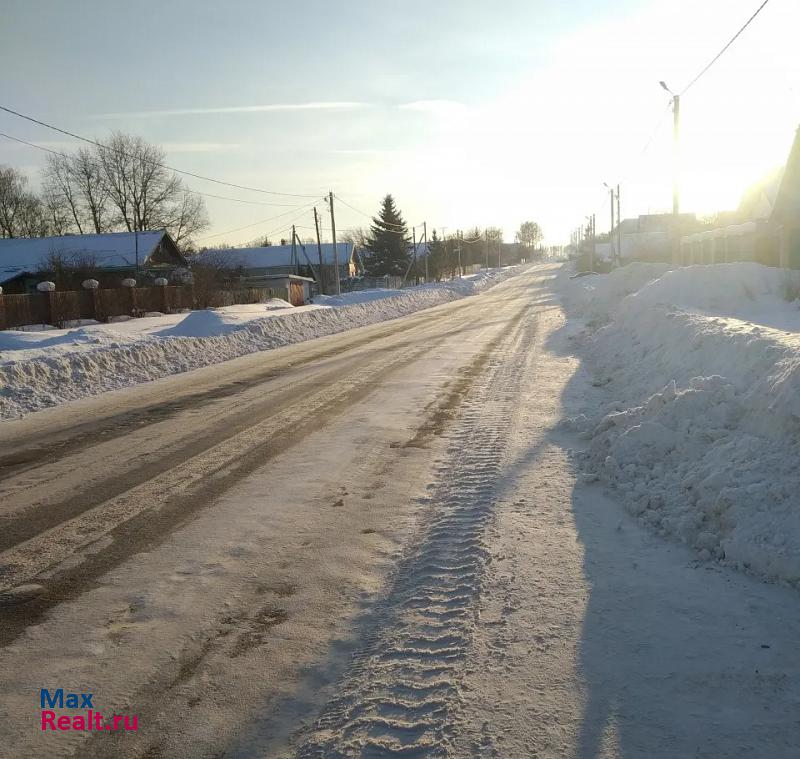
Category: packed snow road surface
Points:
column 372, row 544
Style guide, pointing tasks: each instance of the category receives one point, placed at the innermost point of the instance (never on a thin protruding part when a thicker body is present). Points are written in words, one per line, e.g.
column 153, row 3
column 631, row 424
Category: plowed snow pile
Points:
column 701, row 429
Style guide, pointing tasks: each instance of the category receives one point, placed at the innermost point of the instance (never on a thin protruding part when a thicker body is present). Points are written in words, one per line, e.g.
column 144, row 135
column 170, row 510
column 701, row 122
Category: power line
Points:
column 154, row 163
column 262, row 221
column 188, row 189
column 730, row 42
column 398, row 227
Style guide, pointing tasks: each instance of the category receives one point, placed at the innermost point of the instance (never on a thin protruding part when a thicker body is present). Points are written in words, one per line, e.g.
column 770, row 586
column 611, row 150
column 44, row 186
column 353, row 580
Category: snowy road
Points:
column 370, row 544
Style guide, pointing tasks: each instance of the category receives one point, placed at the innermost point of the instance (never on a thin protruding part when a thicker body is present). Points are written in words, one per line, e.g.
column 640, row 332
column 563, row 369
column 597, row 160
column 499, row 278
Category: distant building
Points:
column 111, row 257
column 765, row 228
column 301, row 260
column 650, row 237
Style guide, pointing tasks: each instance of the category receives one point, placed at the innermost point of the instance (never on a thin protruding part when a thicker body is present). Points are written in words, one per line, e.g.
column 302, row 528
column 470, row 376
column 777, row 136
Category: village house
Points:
column 274, row 260
column 765, row 228
column 109, row 258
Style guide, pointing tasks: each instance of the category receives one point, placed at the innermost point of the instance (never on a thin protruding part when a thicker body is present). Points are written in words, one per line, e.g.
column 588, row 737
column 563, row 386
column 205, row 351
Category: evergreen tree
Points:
column 388, row 242
column 437, row 257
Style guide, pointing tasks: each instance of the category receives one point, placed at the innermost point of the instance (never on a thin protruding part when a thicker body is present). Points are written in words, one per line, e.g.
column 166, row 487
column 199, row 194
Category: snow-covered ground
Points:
column 44, row 368
column 699, row 430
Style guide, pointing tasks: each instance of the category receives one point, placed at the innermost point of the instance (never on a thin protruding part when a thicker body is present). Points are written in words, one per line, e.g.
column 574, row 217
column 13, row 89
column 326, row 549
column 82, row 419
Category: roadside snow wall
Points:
column 701, row 432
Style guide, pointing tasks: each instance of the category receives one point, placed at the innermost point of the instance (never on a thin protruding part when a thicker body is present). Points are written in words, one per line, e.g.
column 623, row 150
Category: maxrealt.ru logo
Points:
column 87, row 718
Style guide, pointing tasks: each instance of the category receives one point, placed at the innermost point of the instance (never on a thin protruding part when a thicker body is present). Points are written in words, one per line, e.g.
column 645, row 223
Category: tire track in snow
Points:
column 401, row 695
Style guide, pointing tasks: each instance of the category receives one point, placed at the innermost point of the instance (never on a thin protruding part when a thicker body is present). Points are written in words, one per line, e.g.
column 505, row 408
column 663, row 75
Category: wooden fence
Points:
column 58, row 308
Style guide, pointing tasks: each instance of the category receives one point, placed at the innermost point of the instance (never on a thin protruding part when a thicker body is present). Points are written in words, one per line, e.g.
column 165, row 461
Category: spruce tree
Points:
column 437, row 257
column 388, row 242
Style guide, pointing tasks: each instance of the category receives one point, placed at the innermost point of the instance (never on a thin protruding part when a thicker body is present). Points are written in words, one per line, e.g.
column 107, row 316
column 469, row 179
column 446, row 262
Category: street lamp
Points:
column 676, row 116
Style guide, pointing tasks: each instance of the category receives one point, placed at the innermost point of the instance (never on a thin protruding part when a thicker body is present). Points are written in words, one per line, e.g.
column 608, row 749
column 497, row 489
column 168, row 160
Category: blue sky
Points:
column 468, row 112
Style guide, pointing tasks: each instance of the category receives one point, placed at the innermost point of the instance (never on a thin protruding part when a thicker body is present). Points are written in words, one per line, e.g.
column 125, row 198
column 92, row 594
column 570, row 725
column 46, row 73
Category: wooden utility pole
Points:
column 305, row 255
column 427, row 252
column 619, row 231
column 611, row 228
column 295, row 262
column 676, row 138
column 414, row 243
column 319, row 253
column 335, row 251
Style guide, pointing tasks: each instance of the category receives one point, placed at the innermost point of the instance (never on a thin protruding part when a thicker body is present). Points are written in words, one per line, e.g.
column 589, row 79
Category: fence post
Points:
column 95, row 293
column 130, row 284
column 2, row 310
column 49, row 310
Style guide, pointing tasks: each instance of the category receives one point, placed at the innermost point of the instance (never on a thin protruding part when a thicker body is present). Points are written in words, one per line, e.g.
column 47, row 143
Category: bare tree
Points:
column 529, row 234
column 32, row 219
column 190, row 218
column 357, row 236
column 144, row 193
column 22, row 214
column 62, row 195
column 87, row 173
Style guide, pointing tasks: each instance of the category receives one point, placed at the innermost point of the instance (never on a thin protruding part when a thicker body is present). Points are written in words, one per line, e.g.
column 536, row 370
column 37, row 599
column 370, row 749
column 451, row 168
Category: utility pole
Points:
column 319, row 253
column 427, row 251
column 414, row 243
column 295, row 262
column 335, row 251
column 458, row 250
column 619, row 232
column 611, row 228
column 676, row 138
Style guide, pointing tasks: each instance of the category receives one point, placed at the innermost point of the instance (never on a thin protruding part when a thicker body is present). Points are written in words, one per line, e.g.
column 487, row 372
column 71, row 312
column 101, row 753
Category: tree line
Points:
column 120, row 186
column 124, row 185
column 387, row 246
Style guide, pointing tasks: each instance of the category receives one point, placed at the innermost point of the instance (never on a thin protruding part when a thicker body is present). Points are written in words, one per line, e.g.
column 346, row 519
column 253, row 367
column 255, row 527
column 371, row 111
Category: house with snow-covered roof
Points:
column 272, row 260
column 114, row 255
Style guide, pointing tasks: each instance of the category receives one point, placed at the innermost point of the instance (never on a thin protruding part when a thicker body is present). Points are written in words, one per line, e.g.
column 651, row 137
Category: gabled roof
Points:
column 21, row 255
column 276, row 255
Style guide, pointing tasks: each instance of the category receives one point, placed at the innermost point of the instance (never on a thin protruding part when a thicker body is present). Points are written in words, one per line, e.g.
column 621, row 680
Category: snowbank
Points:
column 701, row 432
column 41, row 370
column 596, row 297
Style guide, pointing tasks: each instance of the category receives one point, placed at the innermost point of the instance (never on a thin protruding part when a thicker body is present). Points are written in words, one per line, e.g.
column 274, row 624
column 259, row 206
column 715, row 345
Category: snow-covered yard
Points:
column 699, row 431
column 44, row 368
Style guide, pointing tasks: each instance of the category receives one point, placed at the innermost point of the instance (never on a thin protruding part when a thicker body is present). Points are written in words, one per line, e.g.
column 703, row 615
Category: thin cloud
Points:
column 268, row 108
column 437, row 107
column 198, row 147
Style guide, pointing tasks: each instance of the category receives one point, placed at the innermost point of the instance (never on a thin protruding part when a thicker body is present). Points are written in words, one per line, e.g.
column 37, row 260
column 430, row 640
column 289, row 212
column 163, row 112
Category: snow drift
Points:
column 83, row 362
column 596, row 297
column 701, row 429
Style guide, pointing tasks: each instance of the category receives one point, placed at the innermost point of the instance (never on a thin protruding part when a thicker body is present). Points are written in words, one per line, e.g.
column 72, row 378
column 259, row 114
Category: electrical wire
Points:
column 398, row 227
column 188, row 189
column 729, row 43
column 263, row 221
column 154, row 163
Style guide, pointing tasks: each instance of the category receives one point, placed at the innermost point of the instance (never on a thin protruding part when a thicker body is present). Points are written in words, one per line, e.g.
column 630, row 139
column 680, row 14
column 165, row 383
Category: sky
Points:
column 468, row 112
